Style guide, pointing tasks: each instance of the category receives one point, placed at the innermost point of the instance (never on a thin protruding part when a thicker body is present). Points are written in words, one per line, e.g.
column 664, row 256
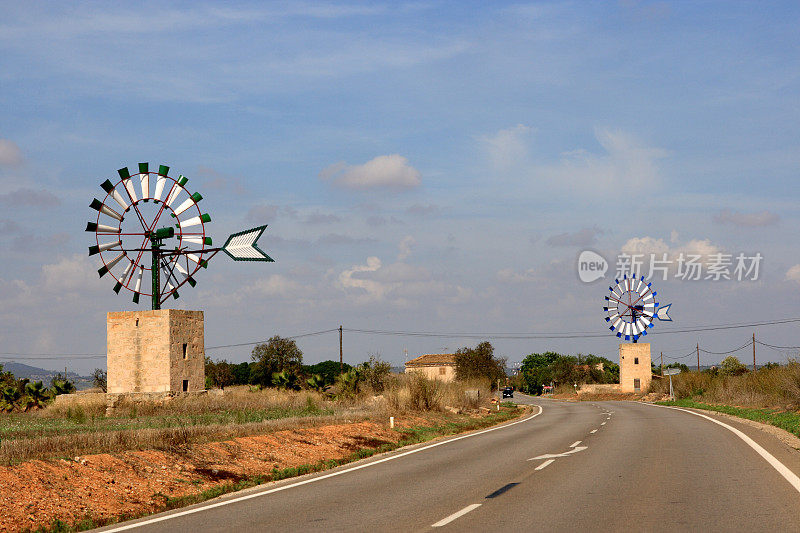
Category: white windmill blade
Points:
column 109, row 188
column 205, row 217
column 176, row 265
column 189, row 202
column 101, row 228
column 241, row 246
column 103, row 247
column 198, row 240
column 128, row 183
column 97, row 205
column 176, row 189
column 138, row 285
column 103, row 270
column 144, row 178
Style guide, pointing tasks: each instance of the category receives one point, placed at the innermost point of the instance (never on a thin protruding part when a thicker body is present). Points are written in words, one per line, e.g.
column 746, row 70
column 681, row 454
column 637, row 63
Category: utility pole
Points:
column 754, row 352
column 662, row 364
column 341, row 358
column 698, row 357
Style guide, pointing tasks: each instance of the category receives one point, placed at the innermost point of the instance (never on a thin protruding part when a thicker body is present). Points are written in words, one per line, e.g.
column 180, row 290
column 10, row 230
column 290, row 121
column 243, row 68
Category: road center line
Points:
column 602, row 423
column 459, row 514
column 788, row 475
column 544, row 464
column 574, row 444
column 306, row 481
column 593, row 431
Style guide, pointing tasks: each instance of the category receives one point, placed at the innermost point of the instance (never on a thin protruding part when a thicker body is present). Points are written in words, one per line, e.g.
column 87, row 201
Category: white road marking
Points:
column 315, row 479
column 574, row 444
column 788, row 475
column 593, row 431
column 553, row 455
column 602, row 423
column 459, row 514
column 544, row 464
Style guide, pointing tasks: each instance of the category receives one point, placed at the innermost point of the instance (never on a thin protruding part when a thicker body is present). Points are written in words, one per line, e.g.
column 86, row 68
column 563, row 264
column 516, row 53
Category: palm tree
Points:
column 316, row 382
column 35, row 395
column 9, row 397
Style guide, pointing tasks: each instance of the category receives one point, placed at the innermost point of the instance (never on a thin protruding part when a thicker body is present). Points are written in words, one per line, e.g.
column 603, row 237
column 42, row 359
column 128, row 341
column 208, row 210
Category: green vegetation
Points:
column 479, row 363
column 24, row 395
column 770, row 387
column 788, row 420
column 540, row 369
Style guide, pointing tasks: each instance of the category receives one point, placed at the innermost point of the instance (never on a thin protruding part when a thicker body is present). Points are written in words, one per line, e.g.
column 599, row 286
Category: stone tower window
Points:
column 185, row 350
column 185, row 385
column 635, row 360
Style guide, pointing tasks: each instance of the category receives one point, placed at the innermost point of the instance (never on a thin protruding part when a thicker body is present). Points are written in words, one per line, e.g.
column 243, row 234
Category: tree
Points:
column 35, row 395
column 61, row 385
column 219, row 373
column 479, row 363
column 241, row 373
column 276, row 355
column 285, row 380
column 316, row 382
column 375, row 373
column 100, row 379
column 732, row 366
column 329, row 370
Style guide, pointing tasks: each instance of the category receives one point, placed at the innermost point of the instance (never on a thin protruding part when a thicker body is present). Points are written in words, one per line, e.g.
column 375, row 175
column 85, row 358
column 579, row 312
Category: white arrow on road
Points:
column 242, row 246
column 553, row 455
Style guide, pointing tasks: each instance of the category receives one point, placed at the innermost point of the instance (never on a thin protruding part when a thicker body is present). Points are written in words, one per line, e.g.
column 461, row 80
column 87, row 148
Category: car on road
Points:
column 508, row 392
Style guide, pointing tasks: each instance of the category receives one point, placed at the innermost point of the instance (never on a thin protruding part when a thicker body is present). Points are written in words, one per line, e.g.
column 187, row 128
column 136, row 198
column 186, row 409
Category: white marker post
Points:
column 670, row 372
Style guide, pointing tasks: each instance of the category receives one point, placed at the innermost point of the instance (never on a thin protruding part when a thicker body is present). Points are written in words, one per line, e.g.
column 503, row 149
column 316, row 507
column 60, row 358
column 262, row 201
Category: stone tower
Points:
column 635, row 373
column 155, row 351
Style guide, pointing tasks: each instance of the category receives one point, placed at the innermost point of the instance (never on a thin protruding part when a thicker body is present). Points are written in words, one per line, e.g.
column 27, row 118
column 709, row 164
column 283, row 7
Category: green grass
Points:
column 411, row 435
column 788, row 420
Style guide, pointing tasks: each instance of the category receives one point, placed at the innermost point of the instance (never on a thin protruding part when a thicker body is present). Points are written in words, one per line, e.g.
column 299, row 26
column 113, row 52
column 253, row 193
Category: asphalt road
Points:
column 573, row 466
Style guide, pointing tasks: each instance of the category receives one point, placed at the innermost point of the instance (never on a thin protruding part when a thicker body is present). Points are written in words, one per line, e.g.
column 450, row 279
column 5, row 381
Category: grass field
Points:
column 64, row 431
column 788, row 420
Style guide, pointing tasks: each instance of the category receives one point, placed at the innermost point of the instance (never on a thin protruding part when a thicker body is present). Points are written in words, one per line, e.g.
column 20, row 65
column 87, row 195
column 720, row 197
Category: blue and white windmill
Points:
column 632, row 308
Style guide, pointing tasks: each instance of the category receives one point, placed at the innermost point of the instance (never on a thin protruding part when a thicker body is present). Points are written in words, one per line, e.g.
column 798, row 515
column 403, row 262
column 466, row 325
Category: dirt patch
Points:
column 105, row 486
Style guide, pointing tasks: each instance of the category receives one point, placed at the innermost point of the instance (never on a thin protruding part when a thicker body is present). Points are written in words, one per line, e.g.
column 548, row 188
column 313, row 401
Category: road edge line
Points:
column 781, row 468
column 214, row 505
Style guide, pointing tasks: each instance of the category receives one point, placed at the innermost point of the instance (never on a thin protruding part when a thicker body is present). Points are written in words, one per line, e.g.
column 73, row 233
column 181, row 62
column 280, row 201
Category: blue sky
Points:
column 473, row 149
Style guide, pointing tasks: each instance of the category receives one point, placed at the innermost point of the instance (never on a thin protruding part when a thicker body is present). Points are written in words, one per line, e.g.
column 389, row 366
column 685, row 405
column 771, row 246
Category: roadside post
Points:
column 670, row 372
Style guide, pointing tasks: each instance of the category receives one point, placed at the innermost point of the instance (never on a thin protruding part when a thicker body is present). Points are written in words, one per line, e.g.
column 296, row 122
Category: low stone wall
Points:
column 597, row 388
column 78, row 398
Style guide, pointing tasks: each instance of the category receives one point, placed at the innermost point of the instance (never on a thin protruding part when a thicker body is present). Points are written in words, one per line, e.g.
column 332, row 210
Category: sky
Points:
column 422, row 167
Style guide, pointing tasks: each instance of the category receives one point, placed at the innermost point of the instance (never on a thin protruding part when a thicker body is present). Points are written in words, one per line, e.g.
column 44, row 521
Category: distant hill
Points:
column 33, row 373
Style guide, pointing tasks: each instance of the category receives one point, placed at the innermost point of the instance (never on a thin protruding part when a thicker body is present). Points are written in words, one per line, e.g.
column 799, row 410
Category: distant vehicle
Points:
column 508, row 392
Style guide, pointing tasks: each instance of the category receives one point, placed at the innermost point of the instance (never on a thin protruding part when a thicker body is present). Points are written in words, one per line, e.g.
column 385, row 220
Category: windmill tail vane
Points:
column 128, row 224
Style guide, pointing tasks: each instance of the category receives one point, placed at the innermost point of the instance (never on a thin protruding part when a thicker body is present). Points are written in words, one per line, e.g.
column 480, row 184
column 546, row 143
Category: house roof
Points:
column 433, row 359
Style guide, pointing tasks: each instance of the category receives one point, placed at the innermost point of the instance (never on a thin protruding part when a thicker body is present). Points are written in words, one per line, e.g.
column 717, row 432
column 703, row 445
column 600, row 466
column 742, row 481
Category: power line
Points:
column 265, row 341
column 777, row 347
column 563, row 335
column 745, row 345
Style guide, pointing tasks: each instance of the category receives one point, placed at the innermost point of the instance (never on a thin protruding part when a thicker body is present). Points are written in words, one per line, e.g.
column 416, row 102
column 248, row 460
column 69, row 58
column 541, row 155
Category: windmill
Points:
column 132, row 221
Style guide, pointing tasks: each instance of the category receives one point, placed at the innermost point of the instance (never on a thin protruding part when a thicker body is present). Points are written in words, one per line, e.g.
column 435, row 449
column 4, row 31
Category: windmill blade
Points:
column 109, row 188
column 103, row 270
column 189, row 202
column 138, row 285
column 192, row 257
column 126, row 181
column 184, row 273
column 103, row 247
column 176, row 190
column 241, row 246
column 97, row 205
column 144, row 177
column 198, row 240
column 101, row 228
column 205, row 217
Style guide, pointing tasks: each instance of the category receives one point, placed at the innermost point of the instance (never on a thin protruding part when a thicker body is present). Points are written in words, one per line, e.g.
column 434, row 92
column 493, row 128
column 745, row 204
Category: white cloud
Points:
column 508, row 147
column 10, row 154
column 384, row 171
column 77, row 272
column 399, row 284
column 405, row 247
column 747, row 220
column 627, row 162
column 793, row 274
column 644, row 246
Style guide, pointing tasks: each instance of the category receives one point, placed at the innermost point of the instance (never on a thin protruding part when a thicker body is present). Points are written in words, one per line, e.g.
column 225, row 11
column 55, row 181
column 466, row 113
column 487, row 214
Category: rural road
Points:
column 574, row 466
